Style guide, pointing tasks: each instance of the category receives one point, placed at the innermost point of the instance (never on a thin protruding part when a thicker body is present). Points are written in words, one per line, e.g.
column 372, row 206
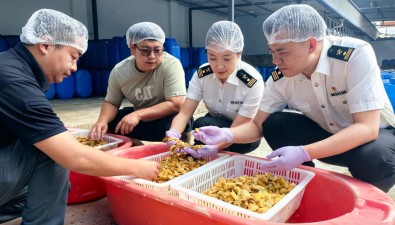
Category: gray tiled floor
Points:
column 84, row 112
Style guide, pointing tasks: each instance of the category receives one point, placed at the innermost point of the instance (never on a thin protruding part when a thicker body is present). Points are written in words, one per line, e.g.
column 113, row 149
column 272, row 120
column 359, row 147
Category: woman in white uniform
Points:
column 343, row 115
column 230, row 88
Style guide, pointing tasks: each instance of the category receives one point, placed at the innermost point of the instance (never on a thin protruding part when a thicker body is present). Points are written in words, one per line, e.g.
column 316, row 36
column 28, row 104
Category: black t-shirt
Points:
column 25, row 112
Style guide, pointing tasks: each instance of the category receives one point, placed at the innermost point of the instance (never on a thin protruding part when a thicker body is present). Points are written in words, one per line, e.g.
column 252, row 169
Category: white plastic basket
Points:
column 165, row 186
column 112, row 142
column 192, row 188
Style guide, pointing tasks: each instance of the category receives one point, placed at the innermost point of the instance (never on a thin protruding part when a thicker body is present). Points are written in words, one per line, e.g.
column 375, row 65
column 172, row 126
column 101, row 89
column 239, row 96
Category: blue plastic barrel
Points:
column 3, row 44
column 104, row 51
column 172, row 47
column 185, row 57
column 266, row 72
column 50, row 93
column 390, row 89
column 262, row 71
column 83, row 83
column 105, row 75
column 114, row 51
column 392, row 63
column 385, row 63
column 124, row 50
column 385, row 77
column 199, row 56
column 12, row 40
column 188, row 75
column 66, row 89
column 96, row 82
column 90, row 60
column 257, row 69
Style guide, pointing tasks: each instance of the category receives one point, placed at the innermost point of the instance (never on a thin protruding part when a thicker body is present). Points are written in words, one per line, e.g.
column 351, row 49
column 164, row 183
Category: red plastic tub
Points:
column 86, row 188
column 329, row 198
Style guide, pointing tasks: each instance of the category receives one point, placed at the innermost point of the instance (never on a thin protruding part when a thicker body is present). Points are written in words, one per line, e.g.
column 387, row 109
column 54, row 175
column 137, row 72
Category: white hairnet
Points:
column 225, row 35
column 294, row 23
column 47, row 26
column 143, row 31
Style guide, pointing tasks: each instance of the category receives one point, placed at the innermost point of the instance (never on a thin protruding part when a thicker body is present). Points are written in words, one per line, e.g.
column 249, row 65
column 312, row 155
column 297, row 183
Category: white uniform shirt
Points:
column 336, row 90
column 227, row 100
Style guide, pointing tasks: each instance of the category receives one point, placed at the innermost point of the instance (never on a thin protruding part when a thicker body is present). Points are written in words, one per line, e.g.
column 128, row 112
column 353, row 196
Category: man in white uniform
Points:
column 343, row 116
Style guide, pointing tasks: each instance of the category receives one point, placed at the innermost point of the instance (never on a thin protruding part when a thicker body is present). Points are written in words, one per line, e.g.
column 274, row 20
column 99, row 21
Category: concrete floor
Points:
column 82, row 113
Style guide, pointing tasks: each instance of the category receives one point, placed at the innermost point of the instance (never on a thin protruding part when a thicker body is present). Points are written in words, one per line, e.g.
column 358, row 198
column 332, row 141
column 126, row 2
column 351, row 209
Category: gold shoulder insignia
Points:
column 339, row 52
column 204, row 71
column 277, row 75
column 246, row 78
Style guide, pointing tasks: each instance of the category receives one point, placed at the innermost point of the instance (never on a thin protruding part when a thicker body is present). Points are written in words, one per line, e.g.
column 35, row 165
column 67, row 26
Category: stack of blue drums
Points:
column 191, row 59
column 388, row 77
column 3, row 44
column 266, row 71
column 388, row 64
column 171, row 46
column 50, row 94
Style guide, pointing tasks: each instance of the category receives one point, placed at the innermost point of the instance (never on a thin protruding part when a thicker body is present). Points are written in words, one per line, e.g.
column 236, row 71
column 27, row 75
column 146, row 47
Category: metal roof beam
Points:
column 349, row 12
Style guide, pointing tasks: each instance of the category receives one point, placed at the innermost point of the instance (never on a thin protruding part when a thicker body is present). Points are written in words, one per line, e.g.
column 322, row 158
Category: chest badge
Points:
column 335, row 92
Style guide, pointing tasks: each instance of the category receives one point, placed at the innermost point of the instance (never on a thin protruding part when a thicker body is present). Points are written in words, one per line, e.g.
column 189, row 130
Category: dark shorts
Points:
column 373, row 162
column 208, row 120
column 149, row 131
column 31, row 182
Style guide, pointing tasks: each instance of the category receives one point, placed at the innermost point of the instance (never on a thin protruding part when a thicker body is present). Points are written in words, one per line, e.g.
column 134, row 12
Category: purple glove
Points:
column 289, row 157
column 173, row 133
column 205, row 151
column 213, row 135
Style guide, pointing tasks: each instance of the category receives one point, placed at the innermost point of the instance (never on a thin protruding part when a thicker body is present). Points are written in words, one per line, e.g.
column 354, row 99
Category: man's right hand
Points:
column 212, row 135
column 97, row 131
column 146, row 169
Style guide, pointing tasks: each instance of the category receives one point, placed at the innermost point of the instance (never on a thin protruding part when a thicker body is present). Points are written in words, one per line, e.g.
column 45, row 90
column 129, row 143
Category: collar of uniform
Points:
column 39, row 75
column 232, row 79
column 323, row 65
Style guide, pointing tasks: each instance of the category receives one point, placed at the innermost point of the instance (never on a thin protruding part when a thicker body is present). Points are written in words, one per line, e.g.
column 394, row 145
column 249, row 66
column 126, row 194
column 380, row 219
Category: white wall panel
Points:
column 384, row 50
column 116, row 16
column 255, row 42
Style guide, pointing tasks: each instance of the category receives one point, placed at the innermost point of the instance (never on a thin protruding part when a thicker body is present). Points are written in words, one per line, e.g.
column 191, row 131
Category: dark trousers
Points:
column 149, row 131
column 373, row 162
column 32, row 185
column 208, row 120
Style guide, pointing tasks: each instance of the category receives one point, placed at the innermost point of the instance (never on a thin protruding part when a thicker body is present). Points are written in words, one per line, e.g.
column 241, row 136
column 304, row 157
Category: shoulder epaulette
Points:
column 246, row 78
column 339, row 52
column 204, row 71
column 276, row 75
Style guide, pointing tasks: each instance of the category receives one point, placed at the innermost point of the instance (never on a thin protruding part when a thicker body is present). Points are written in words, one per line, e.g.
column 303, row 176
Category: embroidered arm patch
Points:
column 339, row 52
column 204, row 71
column 277, row 75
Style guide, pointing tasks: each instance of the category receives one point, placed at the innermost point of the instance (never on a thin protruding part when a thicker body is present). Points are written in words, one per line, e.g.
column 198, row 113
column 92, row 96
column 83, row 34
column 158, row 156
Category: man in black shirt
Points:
column 36, row 150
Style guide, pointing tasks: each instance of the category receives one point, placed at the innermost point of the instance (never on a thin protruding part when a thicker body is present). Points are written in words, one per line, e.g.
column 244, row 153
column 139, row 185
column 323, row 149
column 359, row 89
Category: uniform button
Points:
column 316, row 84
column 219, row 100
column 322, row 106
column 344, row 102
column 331, row 124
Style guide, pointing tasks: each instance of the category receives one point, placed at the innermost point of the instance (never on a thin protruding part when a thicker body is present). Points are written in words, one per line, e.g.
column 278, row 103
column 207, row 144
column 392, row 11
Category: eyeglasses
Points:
column 147, row 52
